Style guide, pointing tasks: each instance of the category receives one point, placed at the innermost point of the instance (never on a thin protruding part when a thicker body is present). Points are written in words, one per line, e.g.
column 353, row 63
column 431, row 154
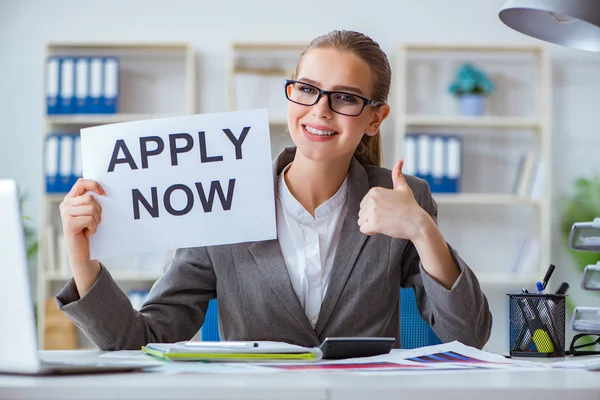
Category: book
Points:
column 231, row 351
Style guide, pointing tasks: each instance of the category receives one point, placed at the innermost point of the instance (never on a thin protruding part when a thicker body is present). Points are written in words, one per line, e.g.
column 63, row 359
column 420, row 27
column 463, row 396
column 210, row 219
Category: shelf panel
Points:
column 269, row 46
column 284, row 73
column 472, row 122
column 119, row 276
column 146, row 46
column 469, row 47
column 101, row 119
column 493, row 199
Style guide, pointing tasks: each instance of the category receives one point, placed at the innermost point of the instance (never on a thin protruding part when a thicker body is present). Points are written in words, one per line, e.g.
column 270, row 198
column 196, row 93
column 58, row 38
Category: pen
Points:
column 219, row 345
column 563, row 288
column 540, row 287
column 548, row 275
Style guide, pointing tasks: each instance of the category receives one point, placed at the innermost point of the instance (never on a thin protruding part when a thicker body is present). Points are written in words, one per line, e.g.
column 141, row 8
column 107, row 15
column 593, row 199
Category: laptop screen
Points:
column 18, row 345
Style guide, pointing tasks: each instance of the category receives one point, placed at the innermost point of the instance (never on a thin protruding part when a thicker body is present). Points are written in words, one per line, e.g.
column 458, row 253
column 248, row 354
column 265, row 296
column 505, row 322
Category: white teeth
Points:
column 319, row 132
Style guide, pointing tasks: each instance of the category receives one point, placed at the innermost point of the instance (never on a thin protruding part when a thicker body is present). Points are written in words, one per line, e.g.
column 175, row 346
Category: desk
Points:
column 443, row 385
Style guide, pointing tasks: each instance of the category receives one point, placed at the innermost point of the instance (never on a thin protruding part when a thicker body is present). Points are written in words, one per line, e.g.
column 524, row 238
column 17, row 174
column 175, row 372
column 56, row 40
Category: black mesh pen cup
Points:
column 537, row 325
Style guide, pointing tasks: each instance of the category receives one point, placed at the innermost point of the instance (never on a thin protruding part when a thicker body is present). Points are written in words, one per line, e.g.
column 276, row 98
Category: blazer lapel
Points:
column 351, row 242
column 267, row 255
column 269, row 259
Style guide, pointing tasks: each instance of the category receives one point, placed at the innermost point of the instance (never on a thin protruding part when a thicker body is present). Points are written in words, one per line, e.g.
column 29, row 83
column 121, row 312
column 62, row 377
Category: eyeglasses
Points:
column 576, row 344
column 339, row 102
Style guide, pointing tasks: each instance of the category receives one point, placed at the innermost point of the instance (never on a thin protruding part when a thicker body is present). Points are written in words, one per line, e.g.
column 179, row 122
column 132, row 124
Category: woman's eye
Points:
column 346, row 98
column 307, row 89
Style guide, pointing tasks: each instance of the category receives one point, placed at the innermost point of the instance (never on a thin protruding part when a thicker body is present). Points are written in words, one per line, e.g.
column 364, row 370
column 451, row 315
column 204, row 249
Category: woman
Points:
column 350, row 234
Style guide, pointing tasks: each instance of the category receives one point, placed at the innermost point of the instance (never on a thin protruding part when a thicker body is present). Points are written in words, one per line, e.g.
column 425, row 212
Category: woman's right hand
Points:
column 81, row 213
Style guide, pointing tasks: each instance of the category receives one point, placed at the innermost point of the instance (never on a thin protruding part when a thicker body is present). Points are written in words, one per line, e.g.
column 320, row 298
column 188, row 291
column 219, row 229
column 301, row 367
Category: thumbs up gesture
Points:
column 393, row 212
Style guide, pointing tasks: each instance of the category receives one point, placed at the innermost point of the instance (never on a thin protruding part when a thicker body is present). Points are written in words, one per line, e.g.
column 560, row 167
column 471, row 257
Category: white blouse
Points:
column 308, row 244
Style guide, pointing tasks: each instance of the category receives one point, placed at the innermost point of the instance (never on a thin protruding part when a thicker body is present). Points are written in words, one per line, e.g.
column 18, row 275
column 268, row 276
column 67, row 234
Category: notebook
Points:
column 232, row 351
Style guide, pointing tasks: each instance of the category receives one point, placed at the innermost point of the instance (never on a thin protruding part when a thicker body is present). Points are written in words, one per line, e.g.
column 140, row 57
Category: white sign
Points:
column 188, row 181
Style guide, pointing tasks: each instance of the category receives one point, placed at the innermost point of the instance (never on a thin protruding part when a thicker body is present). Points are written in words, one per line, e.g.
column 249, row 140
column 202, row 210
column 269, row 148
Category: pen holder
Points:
column 537, row 325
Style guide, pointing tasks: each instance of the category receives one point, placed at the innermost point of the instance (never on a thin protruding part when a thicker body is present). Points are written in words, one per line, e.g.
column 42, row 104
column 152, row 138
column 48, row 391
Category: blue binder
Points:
column 82, row 85
column 51, row 163
column 52, row 85
column 111, row 85
column 67, row 85
column 76, row 170
column 410, row 155
column 96, row 85
column 453, row 164
column 438, row 165
column 65, row 162
column 424, row 158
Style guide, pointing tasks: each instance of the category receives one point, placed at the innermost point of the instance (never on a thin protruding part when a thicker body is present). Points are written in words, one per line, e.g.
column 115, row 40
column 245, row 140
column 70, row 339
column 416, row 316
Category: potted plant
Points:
column 471, row 86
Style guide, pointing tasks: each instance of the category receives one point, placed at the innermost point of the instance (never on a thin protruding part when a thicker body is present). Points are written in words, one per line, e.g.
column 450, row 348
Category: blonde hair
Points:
column 369, row 149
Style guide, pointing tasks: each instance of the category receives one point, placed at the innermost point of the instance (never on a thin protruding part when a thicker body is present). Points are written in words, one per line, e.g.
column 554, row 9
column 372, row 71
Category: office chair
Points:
column 414, row 331
column 210, row 329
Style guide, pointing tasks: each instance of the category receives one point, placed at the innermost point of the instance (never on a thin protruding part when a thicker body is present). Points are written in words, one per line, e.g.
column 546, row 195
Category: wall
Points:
column 26, row 25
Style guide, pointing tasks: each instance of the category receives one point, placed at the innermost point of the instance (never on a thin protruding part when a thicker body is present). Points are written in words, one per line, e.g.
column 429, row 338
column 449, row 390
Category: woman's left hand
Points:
column 393, row 212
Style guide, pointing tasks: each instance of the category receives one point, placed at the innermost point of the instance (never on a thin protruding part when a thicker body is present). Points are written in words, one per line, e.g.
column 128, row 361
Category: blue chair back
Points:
column 210, row 329
column 414, row 331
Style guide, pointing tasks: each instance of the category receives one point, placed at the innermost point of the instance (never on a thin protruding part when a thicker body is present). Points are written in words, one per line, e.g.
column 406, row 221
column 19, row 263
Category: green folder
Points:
column 261, row 351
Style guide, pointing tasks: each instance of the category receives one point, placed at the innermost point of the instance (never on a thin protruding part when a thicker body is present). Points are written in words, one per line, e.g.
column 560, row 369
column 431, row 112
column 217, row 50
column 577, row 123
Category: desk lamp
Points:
column 576, row 24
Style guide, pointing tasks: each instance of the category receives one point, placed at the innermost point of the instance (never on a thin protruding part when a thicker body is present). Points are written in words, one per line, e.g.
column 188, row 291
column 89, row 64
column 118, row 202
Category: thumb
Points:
column 397, row 176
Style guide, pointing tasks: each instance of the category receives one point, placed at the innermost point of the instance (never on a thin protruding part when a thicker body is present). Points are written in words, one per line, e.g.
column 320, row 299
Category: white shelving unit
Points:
column 534, row 125
column 256, row 72
column 485, row 221
column 157, row 80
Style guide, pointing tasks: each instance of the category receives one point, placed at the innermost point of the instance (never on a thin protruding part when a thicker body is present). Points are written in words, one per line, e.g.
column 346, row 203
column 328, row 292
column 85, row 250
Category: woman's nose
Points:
column 321, row 108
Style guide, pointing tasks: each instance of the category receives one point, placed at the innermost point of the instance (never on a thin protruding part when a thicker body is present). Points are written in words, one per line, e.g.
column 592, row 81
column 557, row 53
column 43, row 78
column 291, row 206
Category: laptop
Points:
column 18, row 339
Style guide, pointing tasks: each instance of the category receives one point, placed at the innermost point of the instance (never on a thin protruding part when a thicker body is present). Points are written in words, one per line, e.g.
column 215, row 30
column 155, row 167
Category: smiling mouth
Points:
column 319, row 132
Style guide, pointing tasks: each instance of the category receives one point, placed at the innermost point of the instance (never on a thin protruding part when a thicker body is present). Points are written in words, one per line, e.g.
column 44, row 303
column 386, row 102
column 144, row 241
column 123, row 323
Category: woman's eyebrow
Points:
column 342, row 88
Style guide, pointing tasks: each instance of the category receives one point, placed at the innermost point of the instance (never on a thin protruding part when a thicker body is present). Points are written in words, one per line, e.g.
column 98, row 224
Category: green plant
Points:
column 582, row 206
column 471, row 80
column 28, row 231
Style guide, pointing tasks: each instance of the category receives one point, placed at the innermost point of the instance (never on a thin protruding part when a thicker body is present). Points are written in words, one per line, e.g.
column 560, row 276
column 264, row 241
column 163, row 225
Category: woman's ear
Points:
column 380, row 114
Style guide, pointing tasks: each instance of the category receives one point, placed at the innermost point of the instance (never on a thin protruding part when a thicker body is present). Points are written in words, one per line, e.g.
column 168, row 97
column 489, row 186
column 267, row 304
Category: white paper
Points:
column 577, row 363
column 399, row 361
column 251, row 213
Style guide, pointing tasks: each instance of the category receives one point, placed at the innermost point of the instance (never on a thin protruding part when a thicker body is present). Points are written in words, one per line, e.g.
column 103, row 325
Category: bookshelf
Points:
column 156, row 80
column 256, row 72
column 502, row 233
column 422, row 104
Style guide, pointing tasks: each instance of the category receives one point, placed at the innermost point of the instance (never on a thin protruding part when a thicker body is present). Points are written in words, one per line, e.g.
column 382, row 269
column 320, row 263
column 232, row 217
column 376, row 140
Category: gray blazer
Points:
column 256, row 298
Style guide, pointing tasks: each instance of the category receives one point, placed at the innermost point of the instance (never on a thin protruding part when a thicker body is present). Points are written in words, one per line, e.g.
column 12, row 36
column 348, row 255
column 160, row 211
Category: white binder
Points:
column 95, row 85
column 410, row 155
column 438, row 164
column 424, row 158
column 51, row 164
column 454, row 151
column 82, row 85
column 52, row 85
column 77, row 166
column 67, row 85
column 111, row 85
column 66, row 162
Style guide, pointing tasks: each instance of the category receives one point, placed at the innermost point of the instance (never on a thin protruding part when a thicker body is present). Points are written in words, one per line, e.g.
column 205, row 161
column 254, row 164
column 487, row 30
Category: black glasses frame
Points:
column 366, row 102
column 574, row 349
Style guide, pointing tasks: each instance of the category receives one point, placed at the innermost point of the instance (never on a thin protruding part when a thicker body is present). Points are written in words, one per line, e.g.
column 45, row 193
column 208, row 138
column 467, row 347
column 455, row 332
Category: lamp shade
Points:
column 571, row 23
